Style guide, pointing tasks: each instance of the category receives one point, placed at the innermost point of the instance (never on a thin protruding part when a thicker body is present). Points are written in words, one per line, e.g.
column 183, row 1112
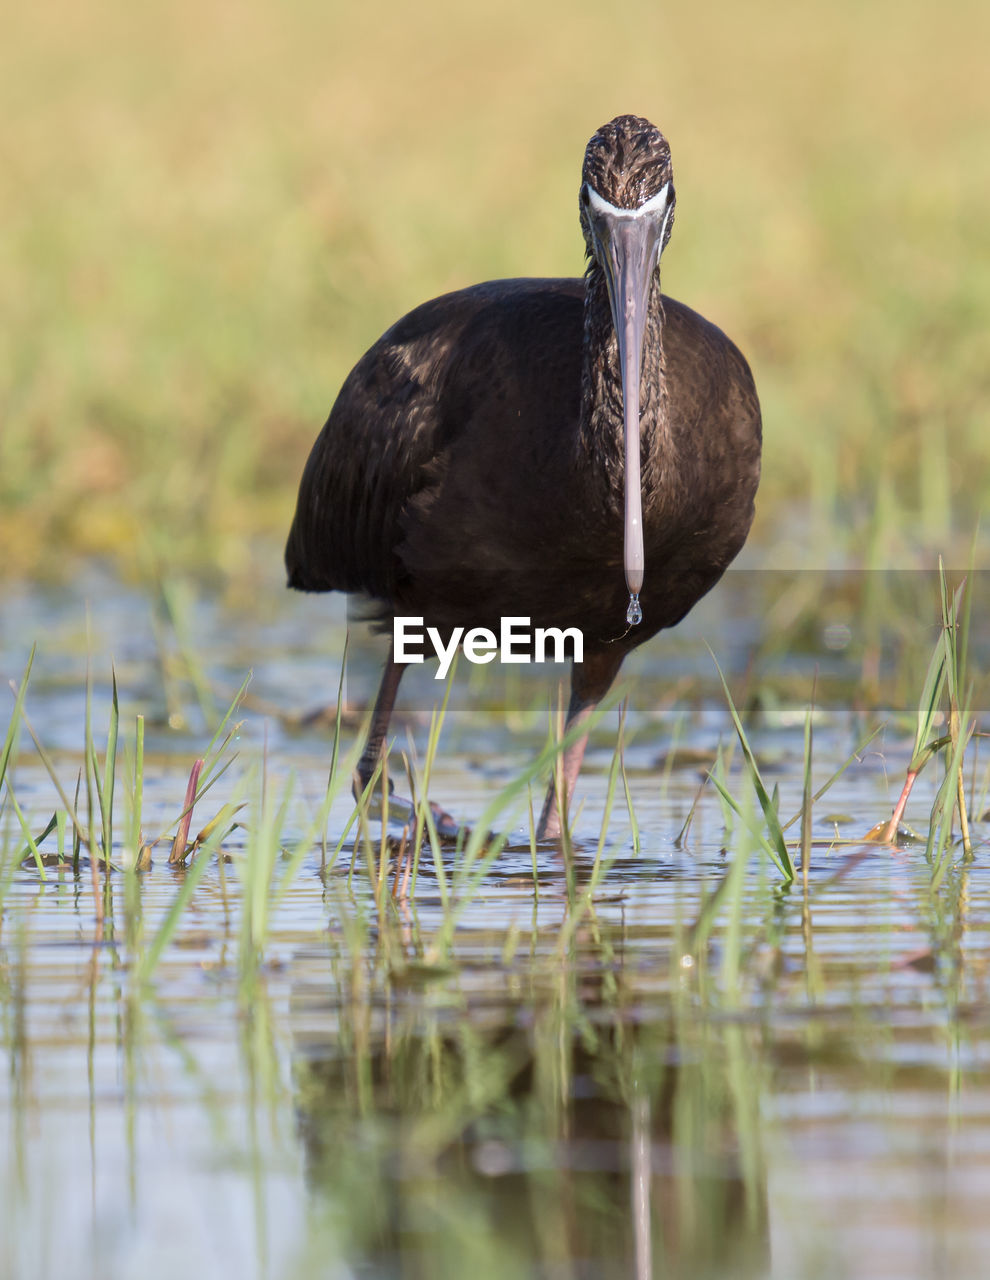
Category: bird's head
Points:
column 627, row 210
column 627, row 167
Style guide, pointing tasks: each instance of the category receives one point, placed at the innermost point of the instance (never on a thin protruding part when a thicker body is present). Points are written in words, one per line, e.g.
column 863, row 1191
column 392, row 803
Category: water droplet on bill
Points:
column 634, row 614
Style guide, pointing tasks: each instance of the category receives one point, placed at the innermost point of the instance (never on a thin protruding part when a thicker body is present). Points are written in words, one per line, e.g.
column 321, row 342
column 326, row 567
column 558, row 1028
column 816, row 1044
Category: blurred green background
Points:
column 210, row 209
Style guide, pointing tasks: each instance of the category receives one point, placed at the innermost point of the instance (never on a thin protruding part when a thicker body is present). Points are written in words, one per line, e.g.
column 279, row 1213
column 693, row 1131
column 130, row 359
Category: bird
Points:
column 584, row 452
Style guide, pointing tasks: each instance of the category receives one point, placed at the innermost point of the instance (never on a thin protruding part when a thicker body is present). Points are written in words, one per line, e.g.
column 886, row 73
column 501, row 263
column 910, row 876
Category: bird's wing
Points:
column 398, row 413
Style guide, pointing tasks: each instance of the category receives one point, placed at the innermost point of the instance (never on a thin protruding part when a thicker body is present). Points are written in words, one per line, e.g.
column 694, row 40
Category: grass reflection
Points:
column 563, row 1127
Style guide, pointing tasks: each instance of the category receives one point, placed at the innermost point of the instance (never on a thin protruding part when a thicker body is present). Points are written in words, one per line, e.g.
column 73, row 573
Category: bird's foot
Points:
column 403, row 811
column 448, row 828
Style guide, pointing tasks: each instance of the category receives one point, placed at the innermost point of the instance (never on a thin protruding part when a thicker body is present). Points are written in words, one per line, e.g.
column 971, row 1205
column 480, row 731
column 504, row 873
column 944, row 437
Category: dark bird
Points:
column 582, row 452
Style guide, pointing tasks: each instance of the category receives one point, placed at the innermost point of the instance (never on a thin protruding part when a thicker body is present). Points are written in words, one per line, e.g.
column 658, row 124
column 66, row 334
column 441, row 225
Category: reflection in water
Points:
column 568, row 1129
column 533, row 1101
column 351, row 1086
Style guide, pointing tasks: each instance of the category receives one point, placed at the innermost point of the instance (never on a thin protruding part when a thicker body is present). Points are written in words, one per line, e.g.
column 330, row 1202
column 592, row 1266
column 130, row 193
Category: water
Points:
column 767, row 1091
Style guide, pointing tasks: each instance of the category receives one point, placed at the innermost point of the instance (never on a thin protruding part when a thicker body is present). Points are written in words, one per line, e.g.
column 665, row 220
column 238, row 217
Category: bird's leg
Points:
column 590, row 681
column 380, row 718
column 570, row 767
column 446, row 826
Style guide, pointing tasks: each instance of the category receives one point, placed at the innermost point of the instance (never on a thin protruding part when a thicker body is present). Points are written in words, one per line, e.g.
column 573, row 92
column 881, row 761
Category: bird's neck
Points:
column 601, row 389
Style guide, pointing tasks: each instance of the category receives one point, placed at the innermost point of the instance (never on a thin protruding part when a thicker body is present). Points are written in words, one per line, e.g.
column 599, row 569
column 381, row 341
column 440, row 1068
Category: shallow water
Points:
column 647, row 1092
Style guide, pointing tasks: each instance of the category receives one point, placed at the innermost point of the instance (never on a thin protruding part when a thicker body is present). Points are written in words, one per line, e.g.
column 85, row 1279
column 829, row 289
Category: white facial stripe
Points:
column 654, row 205
column 663, row 229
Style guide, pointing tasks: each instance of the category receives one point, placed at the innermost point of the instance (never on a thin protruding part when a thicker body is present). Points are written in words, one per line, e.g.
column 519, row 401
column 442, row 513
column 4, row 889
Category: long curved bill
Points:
column 629, row 241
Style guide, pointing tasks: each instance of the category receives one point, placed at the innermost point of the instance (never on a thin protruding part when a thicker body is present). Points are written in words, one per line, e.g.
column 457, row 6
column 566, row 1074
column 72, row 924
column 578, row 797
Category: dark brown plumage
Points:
column 474, row 463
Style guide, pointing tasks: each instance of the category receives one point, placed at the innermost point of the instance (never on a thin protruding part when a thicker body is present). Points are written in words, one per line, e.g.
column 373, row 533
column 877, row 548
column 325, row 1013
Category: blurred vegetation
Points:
column 210, row 210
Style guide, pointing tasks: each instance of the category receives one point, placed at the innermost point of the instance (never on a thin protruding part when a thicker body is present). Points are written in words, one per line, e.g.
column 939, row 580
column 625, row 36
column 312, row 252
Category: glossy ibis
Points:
column 582, row 452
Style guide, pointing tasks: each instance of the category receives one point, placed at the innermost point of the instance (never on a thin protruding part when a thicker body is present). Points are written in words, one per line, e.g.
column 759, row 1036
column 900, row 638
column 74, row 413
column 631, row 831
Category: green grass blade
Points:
column 940, row 824
column 214, row 753
column 806, row 804
column 26, row 832
column 19, row 692
column 630, row 808
column 334, row 748
column 110, row 768
column 856, row 755
column 782, row 856
column 928, row 704
column 613, row 776
column 46, row 760
column 138, row 796
column 786, row 868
